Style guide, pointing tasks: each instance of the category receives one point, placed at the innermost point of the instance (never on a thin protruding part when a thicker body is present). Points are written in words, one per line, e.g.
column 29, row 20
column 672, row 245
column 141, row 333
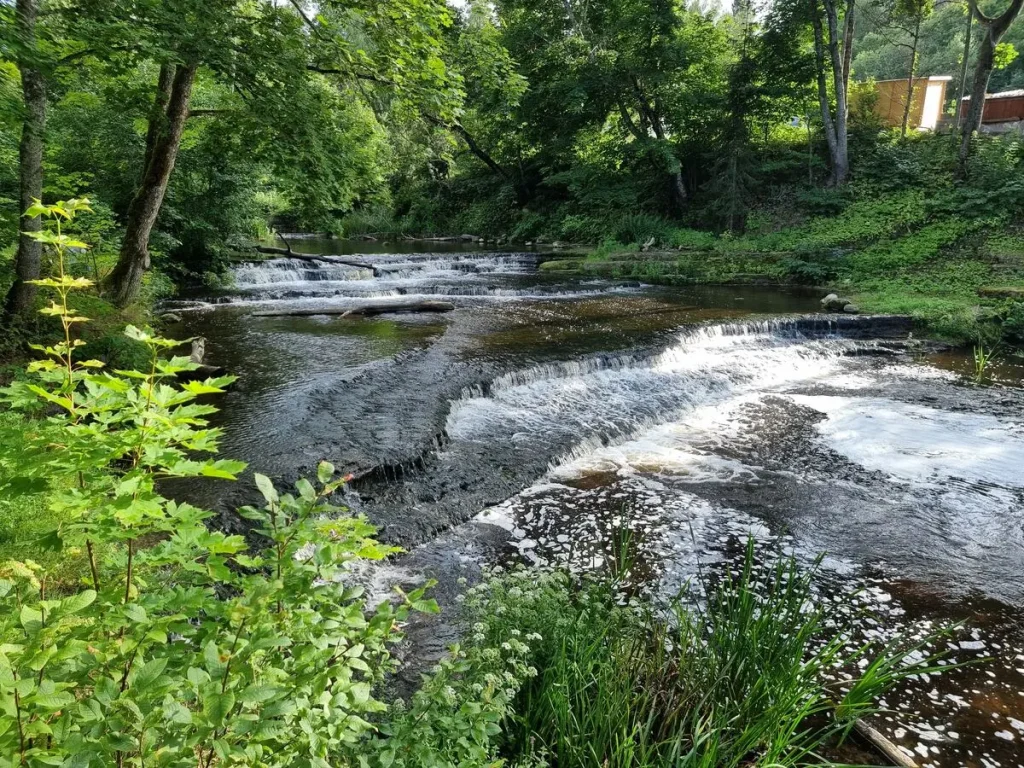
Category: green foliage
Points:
column 455, row 718
column 983, row 357
column 744, row 680
column 182, row 646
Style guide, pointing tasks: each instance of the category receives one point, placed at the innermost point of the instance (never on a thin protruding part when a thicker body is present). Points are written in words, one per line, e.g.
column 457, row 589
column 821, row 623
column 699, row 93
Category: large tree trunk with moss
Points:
column 162, row 142
column 995, row 28
column 21, row 296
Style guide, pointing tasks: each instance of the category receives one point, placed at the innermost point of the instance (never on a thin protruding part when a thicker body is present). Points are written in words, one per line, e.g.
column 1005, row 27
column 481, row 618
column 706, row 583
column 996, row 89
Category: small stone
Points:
column 851, row 309
column 170, row 317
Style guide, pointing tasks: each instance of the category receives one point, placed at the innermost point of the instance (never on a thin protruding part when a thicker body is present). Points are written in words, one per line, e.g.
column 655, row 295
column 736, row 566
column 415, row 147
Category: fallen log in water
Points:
column 314, row 258
column 203, row 371
column 366, row 310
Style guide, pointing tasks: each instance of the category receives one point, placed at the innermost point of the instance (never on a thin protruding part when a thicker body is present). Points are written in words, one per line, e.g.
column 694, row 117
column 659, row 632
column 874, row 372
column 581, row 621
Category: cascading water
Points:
column 593, row 401
column 762, row 430
column 275, row 272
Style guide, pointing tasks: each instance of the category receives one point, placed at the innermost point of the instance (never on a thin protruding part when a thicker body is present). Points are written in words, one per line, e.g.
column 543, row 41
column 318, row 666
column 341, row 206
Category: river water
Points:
column 545, row 416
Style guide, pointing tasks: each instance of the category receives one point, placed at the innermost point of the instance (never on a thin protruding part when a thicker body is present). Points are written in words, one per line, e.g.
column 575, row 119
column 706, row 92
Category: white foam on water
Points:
column 683, row 449
column 282, row 272
column 920, row 444
column 609, row 399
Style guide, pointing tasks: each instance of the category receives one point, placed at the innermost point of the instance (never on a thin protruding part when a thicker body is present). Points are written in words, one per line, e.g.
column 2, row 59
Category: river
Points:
column 546, row 415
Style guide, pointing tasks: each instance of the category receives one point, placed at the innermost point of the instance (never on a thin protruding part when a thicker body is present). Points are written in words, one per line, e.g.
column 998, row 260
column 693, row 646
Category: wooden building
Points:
column 1003, row 112
column 926, row 106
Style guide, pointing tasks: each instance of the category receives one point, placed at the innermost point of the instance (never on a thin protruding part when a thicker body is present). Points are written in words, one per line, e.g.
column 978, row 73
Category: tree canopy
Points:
column 198, row 127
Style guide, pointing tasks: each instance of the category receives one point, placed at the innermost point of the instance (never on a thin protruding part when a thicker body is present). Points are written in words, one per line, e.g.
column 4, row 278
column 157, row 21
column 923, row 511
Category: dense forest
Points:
column 559, row 372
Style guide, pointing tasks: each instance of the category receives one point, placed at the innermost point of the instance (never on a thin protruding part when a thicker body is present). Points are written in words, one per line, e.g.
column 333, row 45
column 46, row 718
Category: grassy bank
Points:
column 963, row 278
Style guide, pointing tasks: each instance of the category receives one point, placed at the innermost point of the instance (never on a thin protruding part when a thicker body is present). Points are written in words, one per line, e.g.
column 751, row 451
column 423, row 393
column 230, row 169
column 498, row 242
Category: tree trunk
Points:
column 828, row 124
column 840, row 59
column 976, row 107
column 840, row 160
column 163, row 142
column 995, row 28
column 963, row 69
column 911, row 77
column 21, row 297
column 851, row 18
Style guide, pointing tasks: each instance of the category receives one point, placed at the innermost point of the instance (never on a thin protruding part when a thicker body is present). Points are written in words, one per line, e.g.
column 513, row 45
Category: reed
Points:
column 741, row 672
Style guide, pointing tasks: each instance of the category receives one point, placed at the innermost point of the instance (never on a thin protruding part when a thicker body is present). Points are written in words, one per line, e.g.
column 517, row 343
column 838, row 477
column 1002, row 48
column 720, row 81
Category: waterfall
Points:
column 274, row 272
column 458, row 274
column 589, row 403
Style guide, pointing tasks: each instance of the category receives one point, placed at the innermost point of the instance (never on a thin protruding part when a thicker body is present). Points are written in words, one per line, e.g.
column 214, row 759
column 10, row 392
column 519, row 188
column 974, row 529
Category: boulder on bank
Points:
column 833, row 303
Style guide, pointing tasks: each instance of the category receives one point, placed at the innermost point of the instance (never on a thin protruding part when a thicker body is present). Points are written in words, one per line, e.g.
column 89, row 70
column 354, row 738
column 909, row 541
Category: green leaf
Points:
column 136, row 613
column 149, row 672
column 52, row 701
column 79, row 602
column 37, row 209
column 266, row 488
column 201, row 388
column 175, row 712
column 257, row 693
column 217, row 707
column 31, row 619
column 305, row 489
column 324, row 472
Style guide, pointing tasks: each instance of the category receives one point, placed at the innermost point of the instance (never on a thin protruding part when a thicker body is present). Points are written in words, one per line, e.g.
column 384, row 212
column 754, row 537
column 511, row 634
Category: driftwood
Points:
column 445, row 239
column 889, row 750
column 366, row 310
column 198, row 349
column 288, row 253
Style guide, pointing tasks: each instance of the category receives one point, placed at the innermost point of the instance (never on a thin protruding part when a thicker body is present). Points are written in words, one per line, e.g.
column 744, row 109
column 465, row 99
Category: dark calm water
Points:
column 544, row 416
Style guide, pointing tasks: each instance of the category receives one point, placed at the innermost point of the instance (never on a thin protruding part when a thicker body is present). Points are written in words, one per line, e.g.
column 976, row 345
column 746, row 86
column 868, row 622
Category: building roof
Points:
column 930, row 78
column 1015, row 94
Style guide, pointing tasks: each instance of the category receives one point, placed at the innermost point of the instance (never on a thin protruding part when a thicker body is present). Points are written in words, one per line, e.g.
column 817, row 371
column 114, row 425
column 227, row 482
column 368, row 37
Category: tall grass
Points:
column 745, row 676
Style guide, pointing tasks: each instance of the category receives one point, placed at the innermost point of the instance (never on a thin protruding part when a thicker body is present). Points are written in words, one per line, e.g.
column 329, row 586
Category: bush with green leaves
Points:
column 181, row 646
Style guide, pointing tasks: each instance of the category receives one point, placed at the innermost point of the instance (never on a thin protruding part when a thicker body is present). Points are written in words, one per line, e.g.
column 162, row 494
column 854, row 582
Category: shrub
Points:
column 181, row 646
column 639, row 228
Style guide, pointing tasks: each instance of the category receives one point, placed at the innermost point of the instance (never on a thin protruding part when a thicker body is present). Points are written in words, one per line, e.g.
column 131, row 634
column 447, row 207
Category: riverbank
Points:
column 963, row 282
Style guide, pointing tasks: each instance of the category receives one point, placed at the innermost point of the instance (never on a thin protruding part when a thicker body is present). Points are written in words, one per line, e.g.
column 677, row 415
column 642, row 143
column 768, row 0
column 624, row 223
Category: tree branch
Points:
column 475, row 148
column 209, row 112
column 308, row 21
column 349, row 73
